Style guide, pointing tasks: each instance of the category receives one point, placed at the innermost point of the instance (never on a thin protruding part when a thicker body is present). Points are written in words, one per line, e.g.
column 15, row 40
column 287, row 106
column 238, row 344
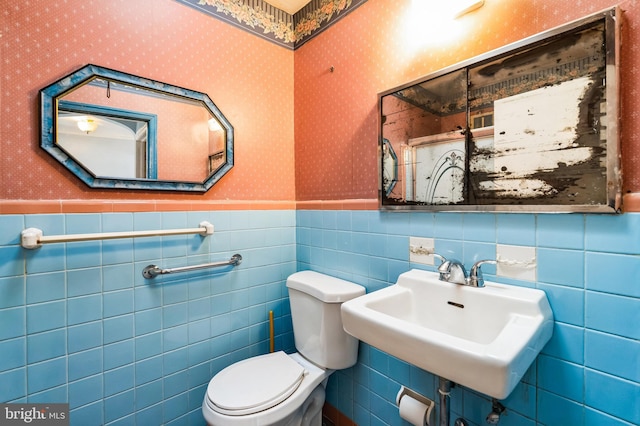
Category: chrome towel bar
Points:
column 32, row 238
column 153, row 271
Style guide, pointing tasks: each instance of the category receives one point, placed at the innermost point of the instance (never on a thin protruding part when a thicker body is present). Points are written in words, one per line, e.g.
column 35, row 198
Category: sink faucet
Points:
column 453, row 271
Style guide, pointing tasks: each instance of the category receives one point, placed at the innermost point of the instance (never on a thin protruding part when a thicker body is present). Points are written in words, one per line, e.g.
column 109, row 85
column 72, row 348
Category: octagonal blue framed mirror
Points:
column 117, row 130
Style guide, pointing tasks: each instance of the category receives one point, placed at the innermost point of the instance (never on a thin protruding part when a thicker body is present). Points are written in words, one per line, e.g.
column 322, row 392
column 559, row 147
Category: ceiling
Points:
column 289, row 6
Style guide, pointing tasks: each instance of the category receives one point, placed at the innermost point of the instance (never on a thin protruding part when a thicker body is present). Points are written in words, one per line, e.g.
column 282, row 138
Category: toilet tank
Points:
column 317, row 325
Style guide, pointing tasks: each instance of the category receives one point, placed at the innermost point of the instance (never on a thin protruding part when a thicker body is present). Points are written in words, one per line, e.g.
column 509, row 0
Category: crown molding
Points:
column 276, row 25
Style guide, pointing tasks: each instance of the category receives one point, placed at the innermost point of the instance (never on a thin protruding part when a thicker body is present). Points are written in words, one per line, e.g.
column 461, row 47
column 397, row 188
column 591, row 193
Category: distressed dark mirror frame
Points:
column 50, row 97
column 462, row 141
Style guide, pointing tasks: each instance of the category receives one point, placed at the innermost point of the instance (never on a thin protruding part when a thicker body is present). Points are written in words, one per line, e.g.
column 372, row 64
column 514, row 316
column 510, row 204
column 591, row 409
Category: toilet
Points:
column 289, row 389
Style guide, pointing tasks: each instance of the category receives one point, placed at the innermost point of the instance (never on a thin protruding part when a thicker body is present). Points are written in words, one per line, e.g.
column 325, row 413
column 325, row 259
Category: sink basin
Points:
column 482, row 338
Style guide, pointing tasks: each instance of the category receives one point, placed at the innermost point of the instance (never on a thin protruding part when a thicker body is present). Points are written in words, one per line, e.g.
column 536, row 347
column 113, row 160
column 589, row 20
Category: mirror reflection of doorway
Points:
column 112, row 144
column 440, row 177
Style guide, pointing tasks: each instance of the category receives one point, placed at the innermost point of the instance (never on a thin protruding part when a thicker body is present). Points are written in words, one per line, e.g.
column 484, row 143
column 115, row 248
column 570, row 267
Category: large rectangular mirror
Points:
column 531, row 127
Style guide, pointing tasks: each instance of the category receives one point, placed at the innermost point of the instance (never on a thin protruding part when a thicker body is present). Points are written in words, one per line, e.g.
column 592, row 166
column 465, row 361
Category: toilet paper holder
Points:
column 428, row 403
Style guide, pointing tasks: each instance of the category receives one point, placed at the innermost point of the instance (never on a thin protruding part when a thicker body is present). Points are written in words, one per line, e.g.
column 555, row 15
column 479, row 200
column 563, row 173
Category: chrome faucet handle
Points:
column 440, row 257
column 453, row 271
column 443, row 269
column 475, row 275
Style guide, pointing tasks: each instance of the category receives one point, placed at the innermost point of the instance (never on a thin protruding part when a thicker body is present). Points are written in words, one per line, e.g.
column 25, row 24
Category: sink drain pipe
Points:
column 444, row 390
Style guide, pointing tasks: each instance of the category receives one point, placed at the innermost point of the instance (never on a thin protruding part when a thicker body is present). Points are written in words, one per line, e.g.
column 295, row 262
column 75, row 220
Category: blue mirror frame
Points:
column 50, row 98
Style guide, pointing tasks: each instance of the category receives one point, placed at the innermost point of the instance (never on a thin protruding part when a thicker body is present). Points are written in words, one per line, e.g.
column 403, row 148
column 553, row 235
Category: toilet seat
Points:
column 255, row 384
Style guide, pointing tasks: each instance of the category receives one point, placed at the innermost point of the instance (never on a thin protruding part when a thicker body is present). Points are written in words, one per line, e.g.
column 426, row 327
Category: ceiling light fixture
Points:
column 87, row 125
column 466, row 6
column 214, row 125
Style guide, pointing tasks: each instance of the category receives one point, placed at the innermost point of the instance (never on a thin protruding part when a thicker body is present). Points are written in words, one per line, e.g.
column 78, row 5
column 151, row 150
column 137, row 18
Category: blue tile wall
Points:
column 79, row 323
column 589, row 266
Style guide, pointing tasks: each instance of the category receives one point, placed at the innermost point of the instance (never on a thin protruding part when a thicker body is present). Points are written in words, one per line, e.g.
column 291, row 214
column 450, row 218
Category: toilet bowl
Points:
column 289, row 389
column 268, row 389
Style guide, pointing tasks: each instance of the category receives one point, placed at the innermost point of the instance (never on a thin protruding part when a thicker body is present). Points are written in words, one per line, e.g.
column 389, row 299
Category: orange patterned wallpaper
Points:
column 382, row 45
column 249, row 79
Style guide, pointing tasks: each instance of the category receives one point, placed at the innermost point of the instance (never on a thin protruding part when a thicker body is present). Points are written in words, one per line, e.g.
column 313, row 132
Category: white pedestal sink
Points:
column 482, row 338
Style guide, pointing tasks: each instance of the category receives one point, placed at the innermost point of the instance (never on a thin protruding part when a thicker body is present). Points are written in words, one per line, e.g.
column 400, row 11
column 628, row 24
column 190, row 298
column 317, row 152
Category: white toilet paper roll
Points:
column 413, row 411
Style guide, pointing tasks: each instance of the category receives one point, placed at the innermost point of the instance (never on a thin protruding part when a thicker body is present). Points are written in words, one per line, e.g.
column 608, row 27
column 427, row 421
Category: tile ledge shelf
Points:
column 123, row 206
column 349, row 204
column 631, row 204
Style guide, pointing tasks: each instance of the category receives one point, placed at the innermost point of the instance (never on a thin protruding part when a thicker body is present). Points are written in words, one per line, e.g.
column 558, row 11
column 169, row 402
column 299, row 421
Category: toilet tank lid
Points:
column 324, row 287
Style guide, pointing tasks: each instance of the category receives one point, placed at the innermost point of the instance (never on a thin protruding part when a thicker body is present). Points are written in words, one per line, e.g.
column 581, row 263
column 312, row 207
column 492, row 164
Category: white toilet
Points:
column 281, row 389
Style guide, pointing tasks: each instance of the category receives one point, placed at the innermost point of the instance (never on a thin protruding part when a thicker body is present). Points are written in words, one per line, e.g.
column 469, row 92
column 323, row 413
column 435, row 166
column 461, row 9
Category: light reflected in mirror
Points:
column 530, row 126
column 122, row 131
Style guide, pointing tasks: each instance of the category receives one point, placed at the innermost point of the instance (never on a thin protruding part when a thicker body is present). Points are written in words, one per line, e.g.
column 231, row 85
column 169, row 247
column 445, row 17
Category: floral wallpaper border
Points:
column 273, row 24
